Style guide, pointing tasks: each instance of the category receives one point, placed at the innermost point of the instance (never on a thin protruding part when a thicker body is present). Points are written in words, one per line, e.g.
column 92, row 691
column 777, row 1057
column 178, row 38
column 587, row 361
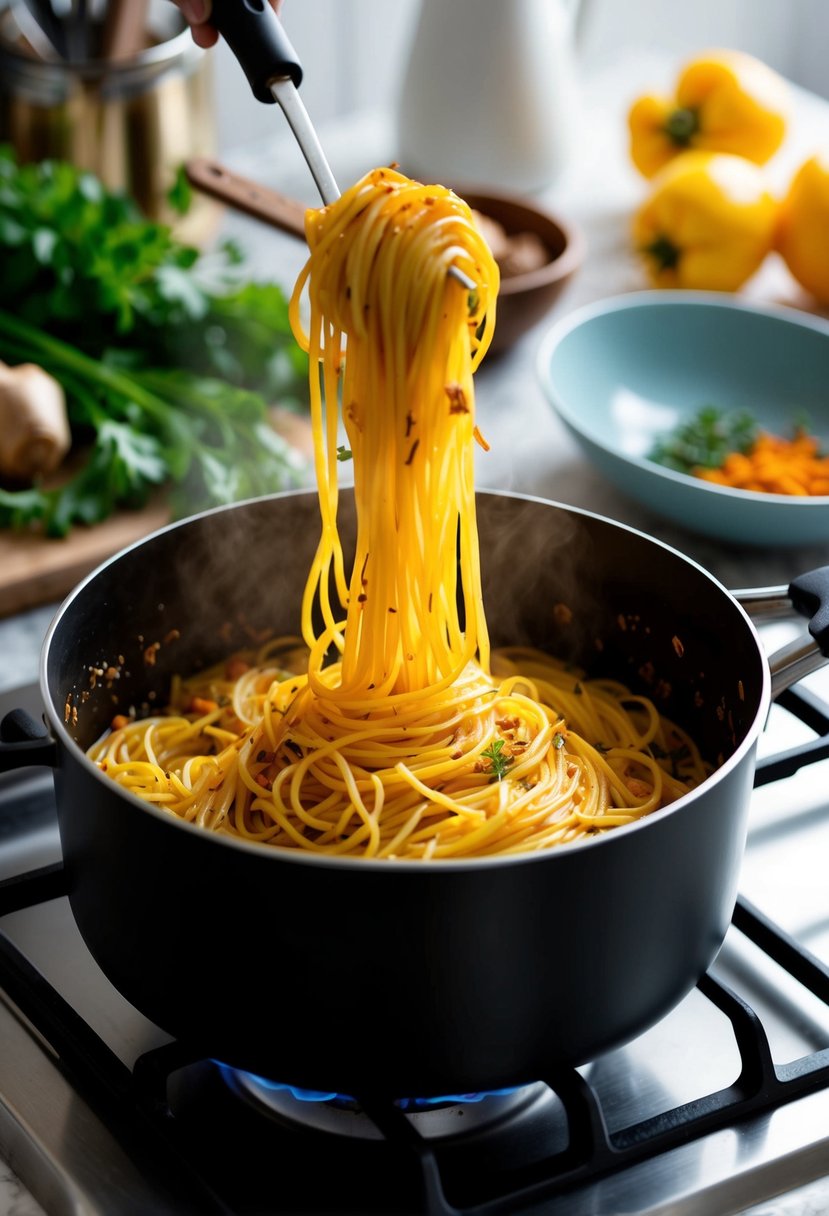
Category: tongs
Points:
column 257, row 38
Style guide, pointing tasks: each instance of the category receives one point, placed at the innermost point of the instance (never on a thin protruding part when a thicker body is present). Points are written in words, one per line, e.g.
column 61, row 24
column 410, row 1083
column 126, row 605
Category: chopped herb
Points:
column 499, row 763
column 558, row 740
column 705, row 440
column 343, row 453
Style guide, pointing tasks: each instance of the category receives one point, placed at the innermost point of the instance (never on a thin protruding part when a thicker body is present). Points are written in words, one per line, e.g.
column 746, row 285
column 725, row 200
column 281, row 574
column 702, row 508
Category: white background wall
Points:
column 353, row 50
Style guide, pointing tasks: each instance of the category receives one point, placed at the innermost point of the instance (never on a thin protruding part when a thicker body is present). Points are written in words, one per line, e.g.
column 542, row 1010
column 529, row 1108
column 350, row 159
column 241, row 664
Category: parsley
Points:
column 343, row 453
column 705, row 440
column 168, row 358
column 499, row 763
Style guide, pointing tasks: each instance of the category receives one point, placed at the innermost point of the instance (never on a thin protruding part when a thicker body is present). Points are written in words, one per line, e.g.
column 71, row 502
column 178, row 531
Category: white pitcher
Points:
column 488, row 96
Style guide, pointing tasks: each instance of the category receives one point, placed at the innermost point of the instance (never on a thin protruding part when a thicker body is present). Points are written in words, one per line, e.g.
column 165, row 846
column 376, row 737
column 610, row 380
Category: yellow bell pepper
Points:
column 803, row 227
column 724, row 101
column 707, row 223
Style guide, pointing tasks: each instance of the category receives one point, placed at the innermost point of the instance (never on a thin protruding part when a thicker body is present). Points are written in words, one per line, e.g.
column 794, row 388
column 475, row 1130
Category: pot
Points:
column 406, row 978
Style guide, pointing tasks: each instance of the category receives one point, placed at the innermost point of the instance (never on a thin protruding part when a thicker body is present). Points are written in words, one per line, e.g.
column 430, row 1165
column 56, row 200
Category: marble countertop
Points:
column 530, row 450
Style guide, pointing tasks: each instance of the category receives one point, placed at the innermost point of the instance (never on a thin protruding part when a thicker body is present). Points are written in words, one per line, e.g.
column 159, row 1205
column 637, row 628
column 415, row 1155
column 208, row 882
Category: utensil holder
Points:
column 132, row 122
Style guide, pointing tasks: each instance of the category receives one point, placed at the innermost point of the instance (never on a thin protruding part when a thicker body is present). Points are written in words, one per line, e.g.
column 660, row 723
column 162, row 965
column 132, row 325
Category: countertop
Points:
column 530, row 450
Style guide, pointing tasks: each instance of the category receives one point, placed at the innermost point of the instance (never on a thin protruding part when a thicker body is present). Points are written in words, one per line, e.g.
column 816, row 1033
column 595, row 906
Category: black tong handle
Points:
column 257, row 38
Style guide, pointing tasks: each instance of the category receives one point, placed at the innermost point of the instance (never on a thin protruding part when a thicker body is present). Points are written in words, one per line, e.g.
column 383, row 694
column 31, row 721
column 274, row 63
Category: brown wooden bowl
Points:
column 527, row 296
column 523, row 299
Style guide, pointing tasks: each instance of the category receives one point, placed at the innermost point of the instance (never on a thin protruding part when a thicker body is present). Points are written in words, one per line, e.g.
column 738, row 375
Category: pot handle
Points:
column 25, row 741
column 808, row 595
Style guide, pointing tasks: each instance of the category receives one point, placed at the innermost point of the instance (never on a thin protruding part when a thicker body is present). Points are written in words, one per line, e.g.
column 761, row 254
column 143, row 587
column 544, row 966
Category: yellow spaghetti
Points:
column 414, row 742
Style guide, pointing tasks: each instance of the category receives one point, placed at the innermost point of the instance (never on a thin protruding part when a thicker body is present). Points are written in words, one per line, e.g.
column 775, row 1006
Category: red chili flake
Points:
column 562, row 614
column 678, row 646
column 172, row 636
column 457, row 399
column 151, row 653
column 741, row 692
column 362, row 597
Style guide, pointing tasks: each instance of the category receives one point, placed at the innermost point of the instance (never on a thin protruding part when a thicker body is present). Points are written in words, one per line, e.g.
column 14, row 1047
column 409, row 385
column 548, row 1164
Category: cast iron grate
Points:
column 136, row 1103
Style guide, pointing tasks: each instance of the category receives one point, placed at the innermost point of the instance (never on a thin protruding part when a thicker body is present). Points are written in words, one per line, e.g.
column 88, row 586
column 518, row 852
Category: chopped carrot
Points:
column 201, row 705
column 775, row 466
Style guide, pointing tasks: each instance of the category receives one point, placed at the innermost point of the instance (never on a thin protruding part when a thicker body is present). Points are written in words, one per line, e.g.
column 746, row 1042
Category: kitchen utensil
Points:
column 125, row 28
column 46, row 24
column 523, row 299
column 130, row 122
column 406, row 978
column 255, row 35
column 624, row 372
column 258, row 40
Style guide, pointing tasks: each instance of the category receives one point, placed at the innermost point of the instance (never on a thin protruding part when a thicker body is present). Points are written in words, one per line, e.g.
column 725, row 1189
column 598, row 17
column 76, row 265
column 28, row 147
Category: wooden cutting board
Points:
column 35, row 570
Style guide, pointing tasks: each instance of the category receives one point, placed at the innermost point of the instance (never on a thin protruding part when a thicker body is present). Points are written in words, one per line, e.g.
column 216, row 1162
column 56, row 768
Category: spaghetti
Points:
column 414, row 742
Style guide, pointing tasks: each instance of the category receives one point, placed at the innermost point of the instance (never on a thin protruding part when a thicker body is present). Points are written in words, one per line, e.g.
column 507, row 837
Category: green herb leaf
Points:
column 168, row 357
column 499, row 763
column 705, row 440
column 180, row 194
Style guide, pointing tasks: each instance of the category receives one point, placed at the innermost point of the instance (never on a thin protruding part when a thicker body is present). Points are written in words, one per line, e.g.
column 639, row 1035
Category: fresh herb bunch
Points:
column 705, row 440
column 168, row 358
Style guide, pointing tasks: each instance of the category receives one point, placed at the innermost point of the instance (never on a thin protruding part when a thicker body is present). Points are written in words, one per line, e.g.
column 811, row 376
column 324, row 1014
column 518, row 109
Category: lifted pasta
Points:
column 414, row 742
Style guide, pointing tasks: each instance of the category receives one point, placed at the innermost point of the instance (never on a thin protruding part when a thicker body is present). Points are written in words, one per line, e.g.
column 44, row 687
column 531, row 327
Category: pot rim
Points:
column 402, row 865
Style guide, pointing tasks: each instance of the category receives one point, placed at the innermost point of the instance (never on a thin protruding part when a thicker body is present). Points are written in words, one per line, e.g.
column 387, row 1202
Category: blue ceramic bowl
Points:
column 624, row 371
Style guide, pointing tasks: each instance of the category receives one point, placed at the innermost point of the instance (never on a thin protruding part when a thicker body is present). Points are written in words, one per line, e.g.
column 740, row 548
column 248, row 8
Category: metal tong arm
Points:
column 254, row 33
column 257, row 38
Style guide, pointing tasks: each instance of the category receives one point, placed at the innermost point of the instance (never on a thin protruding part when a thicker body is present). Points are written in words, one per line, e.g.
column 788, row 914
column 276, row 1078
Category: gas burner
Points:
column 342, row 1115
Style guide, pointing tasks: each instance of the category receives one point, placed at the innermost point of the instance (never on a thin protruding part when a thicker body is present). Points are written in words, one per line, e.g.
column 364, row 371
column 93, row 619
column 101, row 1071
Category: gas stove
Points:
column 722, row 1105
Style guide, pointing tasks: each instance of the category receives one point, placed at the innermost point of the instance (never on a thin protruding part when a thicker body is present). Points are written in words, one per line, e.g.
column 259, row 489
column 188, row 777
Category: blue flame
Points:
column 405, row 1104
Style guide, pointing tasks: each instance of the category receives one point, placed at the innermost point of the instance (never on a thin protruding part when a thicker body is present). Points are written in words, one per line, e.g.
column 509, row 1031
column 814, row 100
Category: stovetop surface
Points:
column 200, row 1143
